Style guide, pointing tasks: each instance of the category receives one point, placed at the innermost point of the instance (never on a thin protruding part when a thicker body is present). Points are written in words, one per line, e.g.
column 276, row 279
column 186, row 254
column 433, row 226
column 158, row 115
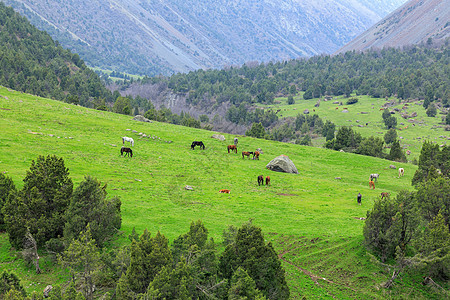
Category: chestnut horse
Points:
column 233, row 148
column 225, row 191
column 245, row 153
column 256, row 155
column 385, row 195
column 267, row 180
column 371, row 184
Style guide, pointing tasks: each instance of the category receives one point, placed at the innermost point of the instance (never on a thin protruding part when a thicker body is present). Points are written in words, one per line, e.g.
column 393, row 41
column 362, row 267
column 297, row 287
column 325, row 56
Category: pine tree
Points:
column 260, row 261
column 396, row 152
column 89, row 206
column 41, row 204
column 82, row 257
column 6, row 185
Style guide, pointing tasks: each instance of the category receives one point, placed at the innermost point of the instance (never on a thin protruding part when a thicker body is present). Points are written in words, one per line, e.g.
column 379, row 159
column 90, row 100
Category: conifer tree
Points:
column 259, row 259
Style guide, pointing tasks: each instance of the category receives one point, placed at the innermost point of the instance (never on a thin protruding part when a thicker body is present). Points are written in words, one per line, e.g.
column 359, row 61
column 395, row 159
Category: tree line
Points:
column 410, row 233
column 72, row 226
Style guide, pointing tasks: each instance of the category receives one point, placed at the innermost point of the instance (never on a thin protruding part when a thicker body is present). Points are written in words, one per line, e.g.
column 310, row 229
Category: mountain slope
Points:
column 415, row 22
column 162, row 37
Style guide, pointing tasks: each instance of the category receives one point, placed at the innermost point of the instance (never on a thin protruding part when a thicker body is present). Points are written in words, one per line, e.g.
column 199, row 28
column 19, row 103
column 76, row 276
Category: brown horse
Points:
column 267, row 180
column 371, row 184
column 225, row 191
column 385, row 195
column 260, row 180
column 256, row 155
column 127, row 151
column 245, row 153
column 233, row 148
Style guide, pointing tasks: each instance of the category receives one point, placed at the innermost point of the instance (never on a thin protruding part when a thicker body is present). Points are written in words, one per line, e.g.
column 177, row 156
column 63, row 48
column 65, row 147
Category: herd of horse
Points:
column 233, row 148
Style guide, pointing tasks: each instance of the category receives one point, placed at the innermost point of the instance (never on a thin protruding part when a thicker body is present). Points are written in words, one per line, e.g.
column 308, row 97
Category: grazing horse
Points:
column 127, row 139
column 197, row 143
column 256, row 155
column 401, row 171
column 245, row 153
column 267, row 180
column 260, row 180
column 127, row 151
column 374, row 176
column 225, row 191
column 233, row 148
column 371, row 184
column 358, row 198
column 385, row 195
column 235, row 141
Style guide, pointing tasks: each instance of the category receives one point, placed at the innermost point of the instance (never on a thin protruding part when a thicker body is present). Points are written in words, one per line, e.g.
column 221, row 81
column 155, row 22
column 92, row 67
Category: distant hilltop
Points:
column 417, row 21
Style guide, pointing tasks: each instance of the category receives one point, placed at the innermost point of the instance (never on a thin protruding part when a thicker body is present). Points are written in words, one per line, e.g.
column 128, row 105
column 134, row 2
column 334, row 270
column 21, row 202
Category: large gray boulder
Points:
column 282, row 163
column 141, row 119
column 218, row 136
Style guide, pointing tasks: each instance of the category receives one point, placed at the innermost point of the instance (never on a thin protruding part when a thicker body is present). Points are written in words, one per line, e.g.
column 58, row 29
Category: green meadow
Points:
column 367, row 110
column 311, row 218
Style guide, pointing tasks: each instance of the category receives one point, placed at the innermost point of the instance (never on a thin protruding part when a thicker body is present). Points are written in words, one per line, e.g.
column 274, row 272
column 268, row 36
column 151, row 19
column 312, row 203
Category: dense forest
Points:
column 31, row 62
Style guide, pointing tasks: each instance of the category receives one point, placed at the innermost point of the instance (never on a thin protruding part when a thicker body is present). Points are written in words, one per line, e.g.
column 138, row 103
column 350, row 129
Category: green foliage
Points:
column 433, row 197
column 171, row 283
column 89, row 206
column 256, row 131
column 122, row 106
column 259, row 259
column 386, row 114
column 148, row 257
column 306, row 140
column 203, row 118
column 243, row 287
column 82, row 257
column 431, row 111
column 290, row 100
column 41, row 204
column 352, row 101
column 390, row 136
column 346, row 139
column 10, row 281
column 6, row 185
column 371, row 146
column 396, row 152
column 391, row 223
column 328, row 130
column 390, row 122
column 447, row 119
column 434, row 248
column 432, row 163
column 187, row 244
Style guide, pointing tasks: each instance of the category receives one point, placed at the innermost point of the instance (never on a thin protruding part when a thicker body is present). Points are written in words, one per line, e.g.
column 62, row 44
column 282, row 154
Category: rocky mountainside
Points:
column 168, row 36
column 417, row 21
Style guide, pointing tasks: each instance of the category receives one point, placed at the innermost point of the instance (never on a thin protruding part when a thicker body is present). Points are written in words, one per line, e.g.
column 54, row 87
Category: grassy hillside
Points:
column 312, row 218
column 365, row 118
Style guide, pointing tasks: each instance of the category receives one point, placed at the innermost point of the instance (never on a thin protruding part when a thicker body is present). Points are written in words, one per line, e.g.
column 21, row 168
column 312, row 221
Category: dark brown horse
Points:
column 245, row 153
column 385, row 195
column 197, row 143
column 233, row 148
column 260, row 180
column 127, row 151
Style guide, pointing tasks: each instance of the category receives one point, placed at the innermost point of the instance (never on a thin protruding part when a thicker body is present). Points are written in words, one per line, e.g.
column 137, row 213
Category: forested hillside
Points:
column 32, row 62
column 410, row 73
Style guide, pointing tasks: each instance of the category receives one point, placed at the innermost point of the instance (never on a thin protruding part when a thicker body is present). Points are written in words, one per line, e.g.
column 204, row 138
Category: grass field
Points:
column 311, row 218
column 367, row 110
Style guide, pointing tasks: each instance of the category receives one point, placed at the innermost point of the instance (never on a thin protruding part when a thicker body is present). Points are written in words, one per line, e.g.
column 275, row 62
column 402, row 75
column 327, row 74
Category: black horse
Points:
column 195, row 143
column 127, row 151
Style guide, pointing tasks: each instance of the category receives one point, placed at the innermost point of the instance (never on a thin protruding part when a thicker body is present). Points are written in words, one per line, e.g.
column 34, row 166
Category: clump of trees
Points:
column 412, row 229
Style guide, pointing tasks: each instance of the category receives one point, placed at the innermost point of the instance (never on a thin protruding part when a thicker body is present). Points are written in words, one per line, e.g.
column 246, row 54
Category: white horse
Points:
column 374, row 176
column 127, row 139
column 401, row 171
